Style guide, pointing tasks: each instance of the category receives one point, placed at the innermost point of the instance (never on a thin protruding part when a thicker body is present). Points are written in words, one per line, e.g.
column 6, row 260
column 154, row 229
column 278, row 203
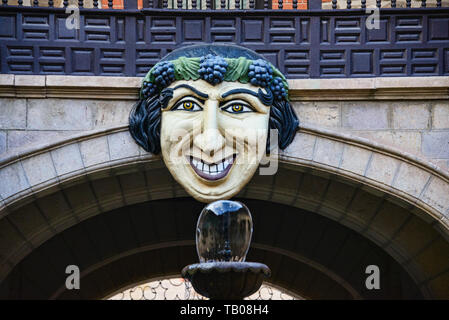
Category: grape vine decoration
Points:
column 213, row 69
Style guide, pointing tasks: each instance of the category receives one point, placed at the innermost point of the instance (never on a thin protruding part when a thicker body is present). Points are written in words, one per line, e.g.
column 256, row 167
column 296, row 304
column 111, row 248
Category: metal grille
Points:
column 179, row 289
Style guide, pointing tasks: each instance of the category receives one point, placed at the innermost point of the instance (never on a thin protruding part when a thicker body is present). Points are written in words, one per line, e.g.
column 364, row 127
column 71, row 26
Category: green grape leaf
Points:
column 186, row 68
column 237, row 70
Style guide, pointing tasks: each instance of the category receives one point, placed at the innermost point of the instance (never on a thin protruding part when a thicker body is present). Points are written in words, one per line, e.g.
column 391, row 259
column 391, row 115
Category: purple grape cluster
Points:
column 260, row 73
column 164, row 74
column 278, row 89
column 149, row 89
column 212, row 68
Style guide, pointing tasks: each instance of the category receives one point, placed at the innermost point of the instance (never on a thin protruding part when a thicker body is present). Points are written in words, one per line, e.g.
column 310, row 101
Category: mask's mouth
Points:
column 212, row 171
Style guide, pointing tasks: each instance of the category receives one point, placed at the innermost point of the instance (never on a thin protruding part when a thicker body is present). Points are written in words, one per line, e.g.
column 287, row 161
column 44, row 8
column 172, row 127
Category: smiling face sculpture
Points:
column 209, row 110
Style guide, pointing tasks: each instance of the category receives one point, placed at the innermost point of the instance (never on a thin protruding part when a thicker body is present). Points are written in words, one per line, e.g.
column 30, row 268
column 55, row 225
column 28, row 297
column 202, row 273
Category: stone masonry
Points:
column 420, row 127
column 417, row 123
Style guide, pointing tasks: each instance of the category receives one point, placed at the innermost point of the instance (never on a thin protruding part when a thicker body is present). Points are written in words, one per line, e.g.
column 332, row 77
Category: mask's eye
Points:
column 237, row 108
column 187, row 105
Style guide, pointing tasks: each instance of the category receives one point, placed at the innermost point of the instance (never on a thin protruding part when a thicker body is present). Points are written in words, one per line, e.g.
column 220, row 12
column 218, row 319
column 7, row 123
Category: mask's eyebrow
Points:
column 239, row 90
column 266, row 99
column 198, row 93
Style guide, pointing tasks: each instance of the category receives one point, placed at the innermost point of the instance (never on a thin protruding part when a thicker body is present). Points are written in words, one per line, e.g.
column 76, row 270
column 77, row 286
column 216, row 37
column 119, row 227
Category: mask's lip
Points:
column 208, row 176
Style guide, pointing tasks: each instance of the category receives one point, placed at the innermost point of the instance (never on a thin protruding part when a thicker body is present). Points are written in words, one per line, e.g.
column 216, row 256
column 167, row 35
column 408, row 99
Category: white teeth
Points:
column 212, row 169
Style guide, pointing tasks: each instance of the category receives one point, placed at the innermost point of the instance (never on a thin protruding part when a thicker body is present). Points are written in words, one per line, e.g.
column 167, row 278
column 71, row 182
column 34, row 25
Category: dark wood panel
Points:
column 312, row 44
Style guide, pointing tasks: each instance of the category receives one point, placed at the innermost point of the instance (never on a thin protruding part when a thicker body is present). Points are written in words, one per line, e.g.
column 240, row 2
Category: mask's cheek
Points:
column 180, row 120
column 177, row 130
column 250, row 138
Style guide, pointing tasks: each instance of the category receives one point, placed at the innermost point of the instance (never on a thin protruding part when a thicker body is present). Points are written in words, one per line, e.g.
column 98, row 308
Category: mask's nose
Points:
column 210, row 140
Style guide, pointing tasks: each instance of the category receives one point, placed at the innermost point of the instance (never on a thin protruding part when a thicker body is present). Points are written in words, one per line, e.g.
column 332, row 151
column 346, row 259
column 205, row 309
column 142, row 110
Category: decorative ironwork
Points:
column 179, row 289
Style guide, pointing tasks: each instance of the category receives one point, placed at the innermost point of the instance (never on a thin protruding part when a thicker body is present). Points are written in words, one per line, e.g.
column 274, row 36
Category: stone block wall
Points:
column 419, row 127
column 409, row 114
column 27, row 121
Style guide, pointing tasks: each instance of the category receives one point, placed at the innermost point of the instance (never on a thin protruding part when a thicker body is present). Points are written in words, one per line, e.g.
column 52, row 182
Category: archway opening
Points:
column 310, row 255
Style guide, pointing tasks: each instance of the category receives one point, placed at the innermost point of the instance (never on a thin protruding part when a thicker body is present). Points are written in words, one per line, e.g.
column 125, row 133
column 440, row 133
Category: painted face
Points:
column 213, row 137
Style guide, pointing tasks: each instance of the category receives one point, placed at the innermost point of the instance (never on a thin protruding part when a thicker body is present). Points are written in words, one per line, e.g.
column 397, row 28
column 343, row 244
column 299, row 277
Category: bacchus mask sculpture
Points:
column 209, row 108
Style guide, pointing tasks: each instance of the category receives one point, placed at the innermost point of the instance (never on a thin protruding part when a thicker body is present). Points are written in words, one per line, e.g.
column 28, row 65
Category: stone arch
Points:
column 125, row 246
column 322, row 171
